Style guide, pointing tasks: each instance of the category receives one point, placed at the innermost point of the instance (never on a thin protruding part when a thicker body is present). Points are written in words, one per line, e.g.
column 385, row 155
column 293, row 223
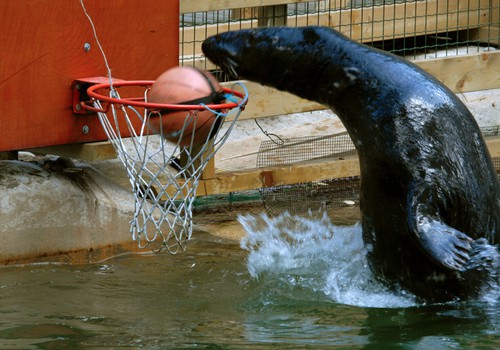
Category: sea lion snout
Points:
column 222, row 53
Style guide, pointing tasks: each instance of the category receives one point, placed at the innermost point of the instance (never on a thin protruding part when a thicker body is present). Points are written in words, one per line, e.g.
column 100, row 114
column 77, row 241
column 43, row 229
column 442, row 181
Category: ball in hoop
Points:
column 186, row 86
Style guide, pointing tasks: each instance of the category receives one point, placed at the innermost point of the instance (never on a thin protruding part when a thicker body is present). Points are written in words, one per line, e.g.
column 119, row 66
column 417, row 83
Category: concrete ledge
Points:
column 52, row 212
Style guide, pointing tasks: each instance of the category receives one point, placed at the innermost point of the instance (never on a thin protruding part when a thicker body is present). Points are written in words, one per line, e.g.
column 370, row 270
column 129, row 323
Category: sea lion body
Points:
column 430, row 197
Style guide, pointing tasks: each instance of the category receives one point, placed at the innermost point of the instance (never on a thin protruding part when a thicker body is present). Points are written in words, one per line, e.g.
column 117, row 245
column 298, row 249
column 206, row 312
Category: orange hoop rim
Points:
column 93, row 93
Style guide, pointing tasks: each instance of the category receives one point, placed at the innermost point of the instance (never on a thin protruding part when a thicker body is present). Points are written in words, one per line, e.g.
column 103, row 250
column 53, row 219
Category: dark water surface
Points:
column 283, row 291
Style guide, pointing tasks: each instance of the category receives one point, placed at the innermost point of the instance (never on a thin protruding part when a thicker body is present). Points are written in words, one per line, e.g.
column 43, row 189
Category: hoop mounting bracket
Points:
column 79, row 88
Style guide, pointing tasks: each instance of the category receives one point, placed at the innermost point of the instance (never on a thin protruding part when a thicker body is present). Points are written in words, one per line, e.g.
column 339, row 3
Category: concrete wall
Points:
column 50, row 211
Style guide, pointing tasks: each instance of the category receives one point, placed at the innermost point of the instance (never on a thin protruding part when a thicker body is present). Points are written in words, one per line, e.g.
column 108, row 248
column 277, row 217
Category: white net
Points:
column 164, row 175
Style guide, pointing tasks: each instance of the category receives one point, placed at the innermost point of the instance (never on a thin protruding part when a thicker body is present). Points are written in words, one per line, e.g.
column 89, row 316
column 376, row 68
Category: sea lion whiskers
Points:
column 231, row 65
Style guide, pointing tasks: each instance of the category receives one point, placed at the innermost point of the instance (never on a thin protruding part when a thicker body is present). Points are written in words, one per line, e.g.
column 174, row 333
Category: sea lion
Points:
column 430, row 197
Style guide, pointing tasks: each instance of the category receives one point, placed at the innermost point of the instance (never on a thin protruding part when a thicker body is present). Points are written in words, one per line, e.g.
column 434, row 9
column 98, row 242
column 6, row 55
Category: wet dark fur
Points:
column 430, row 197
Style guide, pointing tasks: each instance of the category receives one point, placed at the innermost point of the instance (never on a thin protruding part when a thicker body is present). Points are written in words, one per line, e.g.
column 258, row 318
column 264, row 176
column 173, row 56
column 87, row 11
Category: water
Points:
column 296, row 284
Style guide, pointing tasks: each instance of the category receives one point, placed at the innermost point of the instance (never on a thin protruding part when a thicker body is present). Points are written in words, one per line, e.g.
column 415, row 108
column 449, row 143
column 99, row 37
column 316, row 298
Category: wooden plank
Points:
column 92, row 151
column 188, row 6
column 298, row 173
column 257, row 178
column 400, row 20
column 489, row 35
column 466, row 73
column 493, row 146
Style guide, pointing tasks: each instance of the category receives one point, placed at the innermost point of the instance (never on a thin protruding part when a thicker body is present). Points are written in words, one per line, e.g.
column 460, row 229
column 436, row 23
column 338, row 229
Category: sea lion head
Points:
column 290, row 59
column 244, row 52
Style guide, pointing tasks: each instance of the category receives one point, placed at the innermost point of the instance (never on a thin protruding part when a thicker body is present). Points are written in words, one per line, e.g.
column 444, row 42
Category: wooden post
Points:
column 489, row 32
column 243, row 13
column 209, row 171
column 269, row 16
column 495, row 22
column 266, row 15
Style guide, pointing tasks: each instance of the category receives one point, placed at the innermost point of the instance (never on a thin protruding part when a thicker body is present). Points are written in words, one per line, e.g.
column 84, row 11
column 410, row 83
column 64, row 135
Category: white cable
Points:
column 98, row 43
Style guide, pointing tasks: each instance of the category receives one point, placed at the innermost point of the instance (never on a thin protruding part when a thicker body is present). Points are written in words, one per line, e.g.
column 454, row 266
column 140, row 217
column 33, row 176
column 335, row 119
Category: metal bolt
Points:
column 85, row 129
column 86, row 47
column 78, row 107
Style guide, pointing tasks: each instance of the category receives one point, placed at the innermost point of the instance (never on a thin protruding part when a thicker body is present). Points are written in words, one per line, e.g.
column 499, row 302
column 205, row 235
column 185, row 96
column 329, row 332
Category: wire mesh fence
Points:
column 300, row 149
column 415, row 29
column 311, row 196
column 324, row 194
column 496, row 164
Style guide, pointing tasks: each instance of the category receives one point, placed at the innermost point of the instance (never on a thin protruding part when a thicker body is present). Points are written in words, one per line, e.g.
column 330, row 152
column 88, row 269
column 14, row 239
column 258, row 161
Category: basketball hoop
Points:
column 164, row 174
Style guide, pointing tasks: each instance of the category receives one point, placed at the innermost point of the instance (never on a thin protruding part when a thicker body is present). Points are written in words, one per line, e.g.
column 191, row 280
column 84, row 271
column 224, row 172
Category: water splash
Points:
column 310, row 253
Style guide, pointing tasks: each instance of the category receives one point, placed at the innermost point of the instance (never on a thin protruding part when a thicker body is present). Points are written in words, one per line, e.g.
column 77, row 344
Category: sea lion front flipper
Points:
column 444, row 244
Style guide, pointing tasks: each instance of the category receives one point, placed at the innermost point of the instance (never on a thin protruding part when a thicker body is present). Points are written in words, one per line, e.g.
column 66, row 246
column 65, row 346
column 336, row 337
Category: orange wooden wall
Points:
column 42, row 53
